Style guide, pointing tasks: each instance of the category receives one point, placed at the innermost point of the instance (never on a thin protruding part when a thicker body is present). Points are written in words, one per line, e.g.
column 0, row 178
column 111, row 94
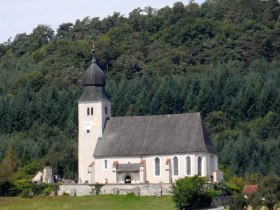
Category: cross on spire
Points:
column 93, row 49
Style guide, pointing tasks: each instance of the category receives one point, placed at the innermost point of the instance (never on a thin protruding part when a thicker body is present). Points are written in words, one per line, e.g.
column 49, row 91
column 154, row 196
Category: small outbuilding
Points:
column 249, row 189
column 44, row 176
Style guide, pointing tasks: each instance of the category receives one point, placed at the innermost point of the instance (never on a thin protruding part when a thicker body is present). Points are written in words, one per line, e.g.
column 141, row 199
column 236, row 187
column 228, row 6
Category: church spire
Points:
column 93, row 50
column 93, row 81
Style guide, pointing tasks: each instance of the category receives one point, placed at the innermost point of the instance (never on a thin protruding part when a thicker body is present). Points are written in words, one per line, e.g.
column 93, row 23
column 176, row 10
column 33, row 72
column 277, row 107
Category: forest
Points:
column 220, row 58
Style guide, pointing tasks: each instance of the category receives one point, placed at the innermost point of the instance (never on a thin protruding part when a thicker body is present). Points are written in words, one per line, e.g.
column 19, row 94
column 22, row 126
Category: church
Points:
column 137, row 149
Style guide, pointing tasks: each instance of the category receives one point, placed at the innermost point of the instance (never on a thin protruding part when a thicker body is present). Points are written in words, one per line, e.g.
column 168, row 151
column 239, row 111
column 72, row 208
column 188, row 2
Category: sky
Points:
column 22, row 16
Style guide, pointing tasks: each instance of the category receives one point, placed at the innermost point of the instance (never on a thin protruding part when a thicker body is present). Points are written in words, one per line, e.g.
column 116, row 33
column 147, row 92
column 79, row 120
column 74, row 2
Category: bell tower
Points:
column 93, row 111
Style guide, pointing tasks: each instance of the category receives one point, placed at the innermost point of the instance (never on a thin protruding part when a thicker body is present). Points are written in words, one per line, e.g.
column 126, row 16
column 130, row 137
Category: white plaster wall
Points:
column 87, row 141
column 164, row 172
column 102, row 174
column 150, row 169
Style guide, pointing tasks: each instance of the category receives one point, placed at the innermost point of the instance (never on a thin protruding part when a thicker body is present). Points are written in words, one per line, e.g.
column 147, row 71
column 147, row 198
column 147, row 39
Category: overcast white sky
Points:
column 19, row 16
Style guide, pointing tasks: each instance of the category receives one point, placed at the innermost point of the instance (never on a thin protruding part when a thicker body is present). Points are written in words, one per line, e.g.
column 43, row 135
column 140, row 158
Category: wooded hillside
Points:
column 221, row 59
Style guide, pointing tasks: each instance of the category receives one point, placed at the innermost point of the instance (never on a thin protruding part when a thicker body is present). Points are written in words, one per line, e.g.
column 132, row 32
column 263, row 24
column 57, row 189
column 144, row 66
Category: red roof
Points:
column 250, row 189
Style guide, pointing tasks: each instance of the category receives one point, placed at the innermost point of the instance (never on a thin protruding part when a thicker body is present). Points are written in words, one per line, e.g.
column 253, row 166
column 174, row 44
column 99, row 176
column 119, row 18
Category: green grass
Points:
column 101, row 202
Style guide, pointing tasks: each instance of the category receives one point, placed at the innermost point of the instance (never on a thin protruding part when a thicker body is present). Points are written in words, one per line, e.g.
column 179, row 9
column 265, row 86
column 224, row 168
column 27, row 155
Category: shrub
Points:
column 65, row 194
column 25, row 187
column 226, row 189
column 190, row 193
column 7, row 188
column 97, row 188
column 27, row 171
column 268, row 193
column 238, row 202
column 22, row 186
column 26, row 193
column 51, row 188
column 39, row 189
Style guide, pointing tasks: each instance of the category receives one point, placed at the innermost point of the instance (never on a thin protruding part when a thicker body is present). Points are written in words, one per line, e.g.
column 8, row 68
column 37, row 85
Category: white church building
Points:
column 137, row 149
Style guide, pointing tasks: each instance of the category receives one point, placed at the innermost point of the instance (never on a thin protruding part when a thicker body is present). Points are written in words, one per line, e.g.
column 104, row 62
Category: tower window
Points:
column 105, row 164
column 88, row 111
column 106, row 110
column 87, row 131
column 91, row 110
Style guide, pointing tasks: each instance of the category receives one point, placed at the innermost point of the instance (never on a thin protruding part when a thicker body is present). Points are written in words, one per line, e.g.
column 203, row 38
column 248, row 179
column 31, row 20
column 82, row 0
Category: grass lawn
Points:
column 101, row 202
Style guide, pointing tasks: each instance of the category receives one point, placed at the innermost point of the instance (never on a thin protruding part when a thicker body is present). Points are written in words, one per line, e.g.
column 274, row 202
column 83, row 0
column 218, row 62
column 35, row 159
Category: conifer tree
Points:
column 9, row 165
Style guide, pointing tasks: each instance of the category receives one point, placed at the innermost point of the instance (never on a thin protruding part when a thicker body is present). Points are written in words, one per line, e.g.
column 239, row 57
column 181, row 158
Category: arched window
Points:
column 105, row 164
column 199, row 166
column 188, row 165
column 91, row 110
column 157, row 166
column 88, row 111
column 175, row 166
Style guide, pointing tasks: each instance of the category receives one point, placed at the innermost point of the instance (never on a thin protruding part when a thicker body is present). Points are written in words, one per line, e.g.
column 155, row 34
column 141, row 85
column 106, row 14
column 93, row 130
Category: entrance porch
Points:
column 130, row 173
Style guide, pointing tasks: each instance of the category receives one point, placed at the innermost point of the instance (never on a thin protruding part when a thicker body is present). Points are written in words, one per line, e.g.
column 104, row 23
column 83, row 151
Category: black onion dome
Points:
column 93, row 76
column 94, row 83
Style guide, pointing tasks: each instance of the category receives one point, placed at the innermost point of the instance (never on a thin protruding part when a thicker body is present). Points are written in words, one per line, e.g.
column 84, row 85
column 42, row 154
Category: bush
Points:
column 22, row 187
column 65, row 194
column 190, row 193
column 39, row 189
column 238, row 202
column 51, row 188
column 97, row 188
column 26, row 193
column 26, row 189
column 27, row 171
column 226, row 189
column 7, row 188
column 268, row 193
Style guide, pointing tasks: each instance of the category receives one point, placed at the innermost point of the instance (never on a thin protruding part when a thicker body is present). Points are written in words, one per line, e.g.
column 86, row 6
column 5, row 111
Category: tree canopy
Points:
column 221, row 58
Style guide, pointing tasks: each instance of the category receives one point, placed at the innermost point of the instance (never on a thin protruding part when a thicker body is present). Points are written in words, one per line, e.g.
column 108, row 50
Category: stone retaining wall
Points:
column 117, row 189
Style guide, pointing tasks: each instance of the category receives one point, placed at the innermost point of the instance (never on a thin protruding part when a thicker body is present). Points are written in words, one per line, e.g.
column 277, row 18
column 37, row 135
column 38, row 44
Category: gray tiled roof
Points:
column 151, row 135
column 128, row 167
